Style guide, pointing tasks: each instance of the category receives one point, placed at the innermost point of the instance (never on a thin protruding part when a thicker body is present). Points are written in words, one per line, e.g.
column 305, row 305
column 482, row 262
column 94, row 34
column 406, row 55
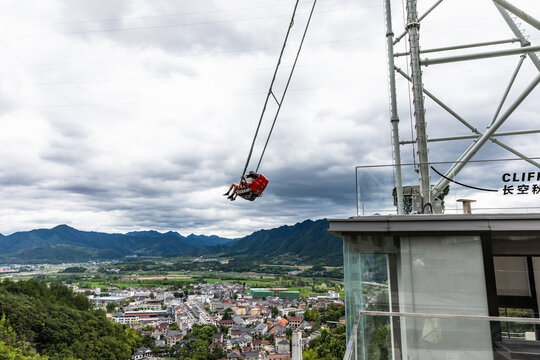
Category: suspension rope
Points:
column 287, row 85
column 291, row 24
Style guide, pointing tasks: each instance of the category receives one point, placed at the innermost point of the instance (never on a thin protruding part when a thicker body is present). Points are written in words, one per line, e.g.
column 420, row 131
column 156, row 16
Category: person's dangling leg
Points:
column 233, row 185
column 232, row 197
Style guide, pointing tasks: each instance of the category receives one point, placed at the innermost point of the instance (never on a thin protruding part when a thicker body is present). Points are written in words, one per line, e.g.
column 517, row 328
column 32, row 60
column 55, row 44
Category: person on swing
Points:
column 232, row 196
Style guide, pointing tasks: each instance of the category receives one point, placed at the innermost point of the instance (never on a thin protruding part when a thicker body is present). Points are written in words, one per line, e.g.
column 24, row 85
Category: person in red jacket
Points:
column 234, row 187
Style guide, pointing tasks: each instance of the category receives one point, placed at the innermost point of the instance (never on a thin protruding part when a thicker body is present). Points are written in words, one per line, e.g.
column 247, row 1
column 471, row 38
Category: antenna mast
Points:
column 490, row 133
column 413, row 28
column 394, row 118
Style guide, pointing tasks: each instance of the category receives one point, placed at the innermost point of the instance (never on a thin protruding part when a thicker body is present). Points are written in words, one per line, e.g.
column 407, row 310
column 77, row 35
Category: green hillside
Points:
column 308, row 240
column 56, row 323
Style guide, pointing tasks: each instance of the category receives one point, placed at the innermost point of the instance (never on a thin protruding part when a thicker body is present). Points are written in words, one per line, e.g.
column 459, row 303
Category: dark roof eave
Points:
column 431, row 224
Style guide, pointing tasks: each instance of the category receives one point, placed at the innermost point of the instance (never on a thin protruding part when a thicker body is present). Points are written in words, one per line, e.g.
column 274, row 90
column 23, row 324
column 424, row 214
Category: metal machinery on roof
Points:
column 510, row 14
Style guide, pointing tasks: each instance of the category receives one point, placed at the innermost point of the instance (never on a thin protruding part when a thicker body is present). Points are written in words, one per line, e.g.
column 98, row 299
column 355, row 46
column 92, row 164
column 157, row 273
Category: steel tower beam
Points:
column 398, row 39
column 494, row 125
column 500, row 116
column 485, row 55
column 473, row 149
column 394, row 118
column 519, row 13
column 505, row 95
column 413, row 27
column 465, row 137
column 452, row 171
column 513, row 27
column 466, row 46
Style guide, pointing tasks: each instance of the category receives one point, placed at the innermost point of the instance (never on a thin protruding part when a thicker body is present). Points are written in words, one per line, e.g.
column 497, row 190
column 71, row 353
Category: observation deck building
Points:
column 442, row 286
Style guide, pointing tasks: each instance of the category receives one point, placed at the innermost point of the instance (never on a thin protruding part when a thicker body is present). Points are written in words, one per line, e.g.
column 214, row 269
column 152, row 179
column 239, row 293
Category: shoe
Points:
column 230, row 197
column 226, row 194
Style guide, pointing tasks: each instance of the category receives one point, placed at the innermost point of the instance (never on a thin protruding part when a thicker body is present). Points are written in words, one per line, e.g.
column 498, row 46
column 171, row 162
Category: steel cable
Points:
column 291, row 24
column 287, row 85
column 270, row 90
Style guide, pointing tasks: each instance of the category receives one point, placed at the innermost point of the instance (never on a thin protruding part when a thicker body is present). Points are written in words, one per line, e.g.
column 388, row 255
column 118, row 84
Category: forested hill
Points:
column 58, row 324
column 308, row 240
column 66, row 244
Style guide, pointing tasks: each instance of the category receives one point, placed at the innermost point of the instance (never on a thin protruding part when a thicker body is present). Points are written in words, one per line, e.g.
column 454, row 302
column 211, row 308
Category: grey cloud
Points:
column 174, row 34
column 19, row 177
column 82, row 189
column 114, row 166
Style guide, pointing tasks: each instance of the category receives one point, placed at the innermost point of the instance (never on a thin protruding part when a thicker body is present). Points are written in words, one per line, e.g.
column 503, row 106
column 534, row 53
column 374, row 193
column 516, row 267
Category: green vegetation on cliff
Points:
column 11, row 348
column 327, row 346
column 59, row 324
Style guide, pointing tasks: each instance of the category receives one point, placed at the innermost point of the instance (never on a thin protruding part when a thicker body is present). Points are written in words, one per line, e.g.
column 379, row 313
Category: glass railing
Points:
column 400, row 336
column 496, row 186
column 352, row 343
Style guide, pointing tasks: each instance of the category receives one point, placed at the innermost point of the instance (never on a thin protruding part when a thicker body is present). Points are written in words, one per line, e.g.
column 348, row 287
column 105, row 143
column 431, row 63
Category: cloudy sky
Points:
column 119, row 115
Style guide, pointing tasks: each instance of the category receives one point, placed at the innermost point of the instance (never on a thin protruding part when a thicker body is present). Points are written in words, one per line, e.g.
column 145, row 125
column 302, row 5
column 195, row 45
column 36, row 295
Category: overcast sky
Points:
column 121, row 115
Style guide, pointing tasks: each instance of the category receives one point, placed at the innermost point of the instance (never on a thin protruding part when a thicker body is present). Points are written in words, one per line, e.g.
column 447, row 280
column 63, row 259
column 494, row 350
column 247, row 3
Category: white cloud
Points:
column 138, row 114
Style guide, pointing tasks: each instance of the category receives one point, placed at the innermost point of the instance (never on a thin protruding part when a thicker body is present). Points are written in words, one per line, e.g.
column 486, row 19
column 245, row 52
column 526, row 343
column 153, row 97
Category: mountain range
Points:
column 307, row 240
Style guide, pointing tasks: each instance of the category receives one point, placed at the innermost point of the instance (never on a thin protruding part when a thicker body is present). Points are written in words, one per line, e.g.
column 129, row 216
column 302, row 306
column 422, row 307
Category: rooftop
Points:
column 463, row 223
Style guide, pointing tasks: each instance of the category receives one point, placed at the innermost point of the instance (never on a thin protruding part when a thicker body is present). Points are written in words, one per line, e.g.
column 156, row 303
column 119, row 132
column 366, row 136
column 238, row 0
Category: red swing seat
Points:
column 250, row 189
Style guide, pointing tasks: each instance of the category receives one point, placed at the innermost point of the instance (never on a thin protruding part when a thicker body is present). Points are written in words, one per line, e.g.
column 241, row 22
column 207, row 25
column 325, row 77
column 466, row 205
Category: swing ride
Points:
column 252, row 187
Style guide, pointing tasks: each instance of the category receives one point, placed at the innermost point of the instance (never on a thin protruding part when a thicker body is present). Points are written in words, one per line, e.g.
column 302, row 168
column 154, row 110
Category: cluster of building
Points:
column 7, row 269
column 252, row 323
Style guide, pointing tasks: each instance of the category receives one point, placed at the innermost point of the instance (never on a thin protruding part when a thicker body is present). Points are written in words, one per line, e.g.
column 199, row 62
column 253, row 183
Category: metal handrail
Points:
column 351, row 352
column 449, row 316
column 351, row 344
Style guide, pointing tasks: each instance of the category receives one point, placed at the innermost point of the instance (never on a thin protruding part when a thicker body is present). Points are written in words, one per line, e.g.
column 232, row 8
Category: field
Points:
column 155, row 274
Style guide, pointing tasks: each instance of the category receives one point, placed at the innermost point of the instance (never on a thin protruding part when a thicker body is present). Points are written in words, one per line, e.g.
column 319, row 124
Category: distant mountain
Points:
column 149, row 233
column 203, row 240
column 307, row 240
column 65, row 244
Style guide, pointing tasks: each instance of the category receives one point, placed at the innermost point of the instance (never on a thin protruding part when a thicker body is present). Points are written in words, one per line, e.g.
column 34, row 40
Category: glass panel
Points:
column 511, row 276
column 517, row 331
column 436, row 337
column 366, row 276
column 442, row 274
column 536, row 274
column 500, row 186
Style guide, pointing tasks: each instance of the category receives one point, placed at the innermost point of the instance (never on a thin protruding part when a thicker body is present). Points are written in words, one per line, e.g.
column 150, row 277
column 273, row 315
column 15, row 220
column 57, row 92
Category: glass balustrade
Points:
column 420, row 336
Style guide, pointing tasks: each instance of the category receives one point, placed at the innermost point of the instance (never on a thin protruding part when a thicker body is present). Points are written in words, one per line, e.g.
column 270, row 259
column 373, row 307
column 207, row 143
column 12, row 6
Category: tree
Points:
column 111, row 307
column 227, row 314
column 61, row 324
column 148, row 341
column 74, row 269
column 275, row 311
column 199, row 349
column 312, row 315
column 327, row 346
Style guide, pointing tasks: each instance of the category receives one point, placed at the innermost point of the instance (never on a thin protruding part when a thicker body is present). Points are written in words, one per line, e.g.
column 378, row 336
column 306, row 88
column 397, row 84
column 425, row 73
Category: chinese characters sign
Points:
column 526, row 183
